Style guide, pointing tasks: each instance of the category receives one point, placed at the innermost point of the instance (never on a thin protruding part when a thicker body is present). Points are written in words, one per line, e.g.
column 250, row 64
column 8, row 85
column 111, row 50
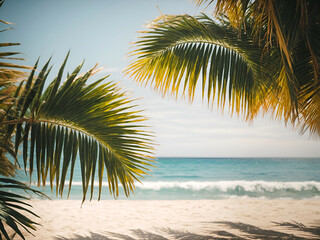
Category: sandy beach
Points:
column 178, row 219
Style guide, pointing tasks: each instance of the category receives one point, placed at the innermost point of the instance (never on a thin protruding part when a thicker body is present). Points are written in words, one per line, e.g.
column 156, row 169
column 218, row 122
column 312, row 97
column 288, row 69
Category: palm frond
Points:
column 96, row 120
column 234, row 9
column 13, row 208
column 281, row 23
column 174, row 54
column 309, row 94
column 237, row 62
column 10, row 75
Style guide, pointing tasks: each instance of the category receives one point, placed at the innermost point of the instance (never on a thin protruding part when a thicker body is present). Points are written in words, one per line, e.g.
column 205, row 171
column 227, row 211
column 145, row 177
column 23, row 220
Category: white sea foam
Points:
column 225, row 186
column 222, row 186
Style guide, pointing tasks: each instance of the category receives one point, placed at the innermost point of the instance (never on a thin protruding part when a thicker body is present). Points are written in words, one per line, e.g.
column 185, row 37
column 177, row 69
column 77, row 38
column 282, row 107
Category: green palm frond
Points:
column 174, row 54
column 251, row 75
column 96, row 120
column 13, row 208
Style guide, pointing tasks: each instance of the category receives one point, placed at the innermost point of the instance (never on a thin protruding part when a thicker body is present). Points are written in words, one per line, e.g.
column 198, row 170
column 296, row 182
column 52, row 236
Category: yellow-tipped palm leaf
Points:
column 183, row 52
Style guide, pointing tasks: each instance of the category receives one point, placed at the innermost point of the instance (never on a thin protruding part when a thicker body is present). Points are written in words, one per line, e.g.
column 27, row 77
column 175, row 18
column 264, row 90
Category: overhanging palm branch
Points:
column 281, row 23
column 13, row 208
column 95, row 120
column 181, row 52
column 294, row 28
column 174, row 54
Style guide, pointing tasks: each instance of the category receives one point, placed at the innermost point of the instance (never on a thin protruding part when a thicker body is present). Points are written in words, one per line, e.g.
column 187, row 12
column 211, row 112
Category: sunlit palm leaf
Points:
column 309, row 94
column 13, row 208
column 293, row 27
column 231, row 65
column 97, row 120
column 174, row 54
column 280, row 22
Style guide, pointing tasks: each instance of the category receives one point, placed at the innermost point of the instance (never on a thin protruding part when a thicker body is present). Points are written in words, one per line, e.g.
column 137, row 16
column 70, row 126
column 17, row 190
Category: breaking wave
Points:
column 225, row 186
column 217, row 189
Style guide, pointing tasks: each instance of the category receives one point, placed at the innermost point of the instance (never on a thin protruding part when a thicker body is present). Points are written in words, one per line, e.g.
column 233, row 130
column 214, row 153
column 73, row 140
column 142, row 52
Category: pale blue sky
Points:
column 101, row 31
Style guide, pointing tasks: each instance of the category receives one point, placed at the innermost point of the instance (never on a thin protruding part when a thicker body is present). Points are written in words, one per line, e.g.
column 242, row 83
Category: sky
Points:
column 103, row 31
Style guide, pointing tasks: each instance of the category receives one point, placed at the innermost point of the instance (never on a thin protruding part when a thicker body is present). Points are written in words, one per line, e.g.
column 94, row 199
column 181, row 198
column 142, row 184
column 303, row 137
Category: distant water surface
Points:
column 222, row 178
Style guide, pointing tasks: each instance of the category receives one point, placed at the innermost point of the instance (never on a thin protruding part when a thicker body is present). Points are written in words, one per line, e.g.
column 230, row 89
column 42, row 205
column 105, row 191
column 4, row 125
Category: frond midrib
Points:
column 190, row 42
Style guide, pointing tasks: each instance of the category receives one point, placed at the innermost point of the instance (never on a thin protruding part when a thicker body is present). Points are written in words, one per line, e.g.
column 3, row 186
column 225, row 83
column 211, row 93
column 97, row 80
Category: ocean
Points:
column 219, row 178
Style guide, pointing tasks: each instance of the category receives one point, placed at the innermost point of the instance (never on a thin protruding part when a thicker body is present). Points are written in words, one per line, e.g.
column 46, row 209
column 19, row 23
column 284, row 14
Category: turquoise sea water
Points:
column 222, row 178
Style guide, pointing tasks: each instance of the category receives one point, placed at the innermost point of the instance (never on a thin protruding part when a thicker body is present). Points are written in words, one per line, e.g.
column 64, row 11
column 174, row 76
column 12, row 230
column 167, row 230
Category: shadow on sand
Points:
column 246, row 231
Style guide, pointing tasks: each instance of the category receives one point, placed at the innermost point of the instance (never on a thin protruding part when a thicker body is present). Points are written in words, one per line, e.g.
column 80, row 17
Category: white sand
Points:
column 177, row 219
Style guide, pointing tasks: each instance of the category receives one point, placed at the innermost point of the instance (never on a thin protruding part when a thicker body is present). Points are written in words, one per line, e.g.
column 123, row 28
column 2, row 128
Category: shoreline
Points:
column 175, row 219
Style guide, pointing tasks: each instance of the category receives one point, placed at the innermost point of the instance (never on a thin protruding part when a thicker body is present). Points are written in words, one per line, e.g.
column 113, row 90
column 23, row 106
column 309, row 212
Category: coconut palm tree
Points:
column 239, row 59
